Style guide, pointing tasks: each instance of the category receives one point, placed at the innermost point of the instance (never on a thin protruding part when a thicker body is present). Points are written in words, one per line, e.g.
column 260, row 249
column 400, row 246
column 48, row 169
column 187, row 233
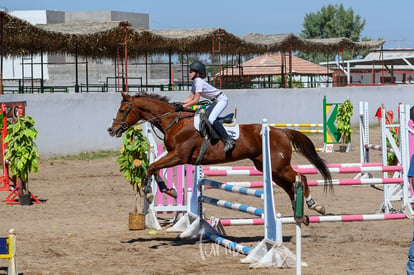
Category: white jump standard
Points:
column 270, row 251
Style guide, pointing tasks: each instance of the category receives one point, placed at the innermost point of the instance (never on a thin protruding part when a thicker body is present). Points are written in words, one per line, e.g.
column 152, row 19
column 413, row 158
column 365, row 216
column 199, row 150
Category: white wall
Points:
column 12, row 67
column 32, row 16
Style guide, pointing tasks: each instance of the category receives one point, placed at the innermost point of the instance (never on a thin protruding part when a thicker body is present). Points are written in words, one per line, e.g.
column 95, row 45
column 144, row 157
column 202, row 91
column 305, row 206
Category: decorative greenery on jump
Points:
column 332, row 127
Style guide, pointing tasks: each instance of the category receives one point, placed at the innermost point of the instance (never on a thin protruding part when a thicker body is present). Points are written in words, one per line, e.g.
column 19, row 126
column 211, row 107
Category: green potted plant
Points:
column 22, row 154
column 133, row 163
column 343, row 122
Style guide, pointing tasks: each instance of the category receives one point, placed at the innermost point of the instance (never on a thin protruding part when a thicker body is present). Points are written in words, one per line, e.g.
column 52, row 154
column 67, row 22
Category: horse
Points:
column 183, row 144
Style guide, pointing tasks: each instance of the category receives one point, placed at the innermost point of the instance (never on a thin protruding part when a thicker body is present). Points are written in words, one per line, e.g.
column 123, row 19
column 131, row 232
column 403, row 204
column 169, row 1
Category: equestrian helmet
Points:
column 199, row 67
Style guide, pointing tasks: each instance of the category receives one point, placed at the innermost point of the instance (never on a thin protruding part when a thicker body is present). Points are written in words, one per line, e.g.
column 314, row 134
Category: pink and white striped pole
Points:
column 312, row 183
column 303, row 166
column 306, row 171
column 319, row 219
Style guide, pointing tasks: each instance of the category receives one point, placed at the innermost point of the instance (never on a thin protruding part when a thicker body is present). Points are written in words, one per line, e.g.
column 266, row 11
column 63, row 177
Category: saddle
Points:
column 207, row 131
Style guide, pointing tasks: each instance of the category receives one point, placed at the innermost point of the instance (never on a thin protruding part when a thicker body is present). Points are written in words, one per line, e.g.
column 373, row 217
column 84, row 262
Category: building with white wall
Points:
column 379, row 67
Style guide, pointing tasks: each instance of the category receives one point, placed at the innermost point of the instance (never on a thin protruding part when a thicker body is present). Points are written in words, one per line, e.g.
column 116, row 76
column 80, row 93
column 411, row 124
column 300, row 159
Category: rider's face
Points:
column 193, row 74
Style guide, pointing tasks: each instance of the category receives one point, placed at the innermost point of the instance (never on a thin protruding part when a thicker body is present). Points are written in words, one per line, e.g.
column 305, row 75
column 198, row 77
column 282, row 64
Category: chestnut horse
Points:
column 183, row 143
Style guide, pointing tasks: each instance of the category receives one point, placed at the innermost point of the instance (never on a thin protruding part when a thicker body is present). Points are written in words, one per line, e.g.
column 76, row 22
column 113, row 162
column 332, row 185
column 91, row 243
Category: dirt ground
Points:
column 82, row 228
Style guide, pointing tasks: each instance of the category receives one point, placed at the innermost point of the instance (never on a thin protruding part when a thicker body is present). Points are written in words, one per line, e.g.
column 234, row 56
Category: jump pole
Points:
column 306, row 171
column 319, row 219
column 302, row 166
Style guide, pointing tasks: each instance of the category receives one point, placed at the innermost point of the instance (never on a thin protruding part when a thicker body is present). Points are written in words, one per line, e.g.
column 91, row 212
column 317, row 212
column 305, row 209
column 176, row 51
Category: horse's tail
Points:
column 302, row 144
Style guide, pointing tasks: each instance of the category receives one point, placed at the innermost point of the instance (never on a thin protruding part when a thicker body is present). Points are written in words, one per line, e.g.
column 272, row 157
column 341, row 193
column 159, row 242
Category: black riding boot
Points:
column 227, row 140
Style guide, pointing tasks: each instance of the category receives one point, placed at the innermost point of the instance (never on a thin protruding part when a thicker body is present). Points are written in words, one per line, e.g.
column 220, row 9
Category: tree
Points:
column 331, row 21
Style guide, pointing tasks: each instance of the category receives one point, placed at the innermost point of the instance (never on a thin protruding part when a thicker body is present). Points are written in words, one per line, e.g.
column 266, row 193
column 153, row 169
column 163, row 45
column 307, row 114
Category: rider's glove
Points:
column 179, row 107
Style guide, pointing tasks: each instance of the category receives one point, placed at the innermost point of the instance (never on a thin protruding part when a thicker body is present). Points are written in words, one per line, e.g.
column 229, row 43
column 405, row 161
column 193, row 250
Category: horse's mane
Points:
column 154, row 96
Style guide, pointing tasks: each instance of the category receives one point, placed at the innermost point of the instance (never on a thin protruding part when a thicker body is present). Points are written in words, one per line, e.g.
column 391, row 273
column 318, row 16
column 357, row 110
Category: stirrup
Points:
column 228, row 144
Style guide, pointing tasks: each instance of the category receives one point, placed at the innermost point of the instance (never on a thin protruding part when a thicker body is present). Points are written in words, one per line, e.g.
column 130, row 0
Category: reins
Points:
column 176, row 120
column 125, row 125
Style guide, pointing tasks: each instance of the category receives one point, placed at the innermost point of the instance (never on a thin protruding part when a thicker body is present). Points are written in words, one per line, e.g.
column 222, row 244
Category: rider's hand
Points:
column 179, row 107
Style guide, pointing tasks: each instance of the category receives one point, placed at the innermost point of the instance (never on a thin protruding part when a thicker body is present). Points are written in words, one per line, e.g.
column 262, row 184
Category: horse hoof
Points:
column 149, row 197
column 318, row 208
column 171, row 192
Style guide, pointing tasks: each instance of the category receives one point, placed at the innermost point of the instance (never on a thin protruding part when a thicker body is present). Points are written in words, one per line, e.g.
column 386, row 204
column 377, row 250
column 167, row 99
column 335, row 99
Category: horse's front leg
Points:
column 169, row 160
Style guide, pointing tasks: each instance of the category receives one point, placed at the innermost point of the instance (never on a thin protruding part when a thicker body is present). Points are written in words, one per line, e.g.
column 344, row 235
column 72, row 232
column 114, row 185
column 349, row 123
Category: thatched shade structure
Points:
column 22, row 38
column 103, row 39
column 291, row 42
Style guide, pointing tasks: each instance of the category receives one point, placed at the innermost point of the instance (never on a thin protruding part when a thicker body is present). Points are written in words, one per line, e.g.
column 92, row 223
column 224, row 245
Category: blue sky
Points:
column 390, row 20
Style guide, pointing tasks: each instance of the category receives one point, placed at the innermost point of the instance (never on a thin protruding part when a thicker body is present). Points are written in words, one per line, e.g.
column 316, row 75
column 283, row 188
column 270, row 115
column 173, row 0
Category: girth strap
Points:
column 203, row 150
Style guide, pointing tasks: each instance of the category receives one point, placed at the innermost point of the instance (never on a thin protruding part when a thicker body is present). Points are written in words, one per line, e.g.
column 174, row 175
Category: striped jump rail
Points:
column 304, row 166
column 305, row 171
column 232, row 188
column 377, row 147
column 357, row 181
column 298, row 126
column 232, row 205
column 346, row 170
column 309, row 125
column 243, row 184
column 312, row 183
column 233, row 246
column 319, row 219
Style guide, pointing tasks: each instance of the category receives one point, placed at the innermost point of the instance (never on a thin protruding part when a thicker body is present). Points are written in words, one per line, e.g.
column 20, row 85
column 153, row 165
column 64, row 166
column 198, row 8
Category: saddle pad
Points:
column 232, row 131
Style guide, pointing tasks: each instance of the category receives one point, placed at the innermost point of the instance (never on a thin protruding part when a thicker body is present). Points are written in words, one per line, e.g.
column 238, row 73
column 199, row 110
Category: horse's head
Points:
column 125, row 117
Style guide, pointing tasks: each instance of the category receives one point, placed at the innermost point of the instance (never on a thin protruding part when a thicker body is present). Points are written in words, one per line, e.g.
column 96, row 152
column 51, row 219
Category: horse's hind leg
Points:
column 310, row 202
column 287, row 179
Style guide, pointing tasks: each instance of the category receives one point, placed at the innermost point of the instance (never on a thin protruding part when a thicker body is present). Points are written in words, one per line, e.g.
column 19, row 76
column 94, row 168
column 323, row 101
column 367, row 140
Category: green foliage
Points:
column 343, row 120
column 331, row 21
column 391, row 157
column 22, row 150
column 133, row 160
column 295, row 82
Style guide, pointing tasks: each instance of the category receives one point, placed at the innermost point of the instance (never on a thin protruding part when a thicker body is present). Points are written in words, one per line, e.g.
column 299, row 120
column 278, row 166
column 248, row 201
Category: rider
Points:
column 199, row 87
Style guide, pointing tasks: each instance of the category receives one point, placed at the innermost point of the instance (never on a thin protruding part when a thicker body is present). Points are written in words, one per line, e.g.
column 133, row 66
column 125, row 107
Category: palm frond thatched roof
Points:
column 102, row 39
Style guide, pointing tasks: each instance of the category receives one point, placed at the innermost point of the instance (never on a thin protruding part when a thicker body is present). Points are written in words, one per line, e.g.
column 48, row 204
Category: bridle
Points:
column 124, row 125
